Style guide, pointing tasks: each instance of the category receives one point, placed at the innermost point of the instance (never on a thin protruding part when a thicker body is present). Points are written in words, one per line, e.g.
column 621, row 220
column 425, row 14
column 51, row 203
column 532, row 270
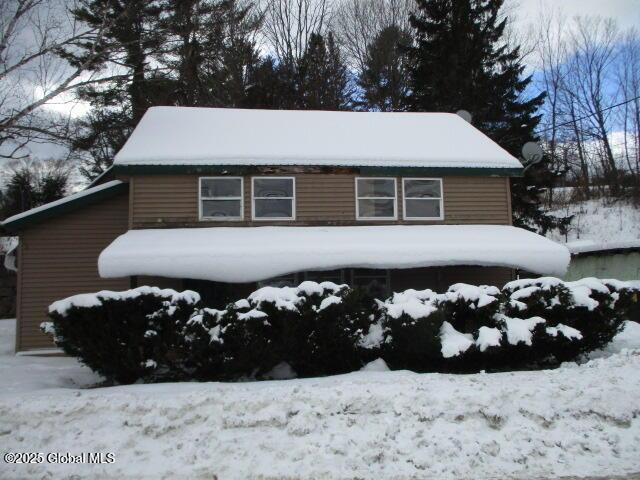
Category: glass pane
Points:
column 376, row 287
column 221, row 208
column 422, row 208
column 422, row 189
column 375, row 208
column 273, row 208
column 376, row 188
column 221, row 187
column 273, row 187
column 279, row 282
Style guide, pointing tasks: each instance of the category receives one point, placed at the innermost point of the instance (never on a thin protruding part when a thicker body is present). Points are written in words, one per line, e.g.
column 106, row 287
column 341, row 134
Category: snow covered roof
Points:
column 577, row 247
column 248, row 254
column 174, row 136
column 65, row 204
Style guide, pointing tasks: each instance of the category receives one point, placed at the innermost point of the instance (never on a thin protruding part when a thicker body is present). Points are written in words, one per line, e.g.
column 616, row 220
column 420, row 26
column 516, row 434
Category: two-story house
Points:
column 222, row 201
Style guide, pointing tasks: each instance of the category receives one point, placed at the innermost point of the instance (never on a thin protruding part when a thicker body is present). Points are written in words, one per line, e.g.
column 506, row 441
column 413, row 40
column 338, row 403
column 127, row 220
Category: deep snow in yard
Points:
column 599, row 224
column 576, row 420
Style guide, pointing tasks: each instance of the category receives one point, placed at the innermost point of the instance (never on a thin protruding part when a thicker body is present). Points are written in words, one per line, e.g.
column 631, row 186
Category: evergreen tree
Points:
column 130, row 39
column 30, row 186
column 384, row 80
column 461, row 60
column 271, row 85
column 322, row 76
column 213, row 50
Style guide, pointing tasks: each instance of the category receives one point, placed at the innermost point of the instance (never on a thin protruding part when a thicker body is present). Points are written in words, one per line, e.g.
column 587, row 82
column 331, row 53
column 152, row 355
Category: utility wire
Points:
column 590, row 115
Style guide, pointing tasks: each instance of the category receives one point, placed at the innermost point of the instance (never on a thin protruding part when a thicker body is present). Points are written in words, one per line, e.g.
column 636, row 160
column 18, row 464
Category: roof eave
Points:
column 21, row 223
column 147, row 169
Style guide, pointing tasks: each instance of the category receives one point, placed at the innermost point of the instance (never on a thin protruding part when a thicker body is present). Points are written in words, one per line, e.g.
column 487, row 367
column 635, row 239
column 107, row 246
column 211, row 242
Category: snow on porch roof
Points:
column 179, row 136
column 249, row 254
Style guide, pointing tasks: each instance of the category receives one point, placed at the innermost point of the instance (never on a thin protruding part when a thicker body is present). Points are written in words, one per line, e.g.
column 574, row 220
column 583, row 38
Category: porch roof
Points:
column 249, row 254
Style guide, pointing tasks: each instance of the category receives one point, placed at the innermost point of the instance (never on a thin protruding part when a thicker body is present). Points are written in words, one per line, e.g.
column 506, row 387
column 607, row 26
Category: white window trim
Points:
column 220, row 219
column 395, row 199
column 404, row 200
column 272, row 219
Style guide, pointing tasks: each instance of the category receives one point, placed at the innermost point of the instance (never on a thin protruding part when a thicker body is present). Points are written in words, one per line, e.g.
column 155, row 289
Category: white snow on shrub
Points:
column 569, row 332
column 414, row 303
column 254, row 313
column 377, row 365
column 240, row 254
column 330, row 300
column 288, row 298
column 519, row 330
column 150, row 364
column 582, row 289
column 544, row 283
column 488, row 337
column 454, row 342
column 480, row 296
column 284, row 298
column 243, row 303
column 87, row 300
column 374, row 337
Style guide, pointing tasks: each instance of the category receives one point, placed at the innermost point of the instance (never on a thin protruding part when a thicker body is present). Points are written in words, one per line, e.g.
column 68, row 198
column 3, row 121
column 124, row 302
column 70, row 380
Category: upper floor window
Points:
column 221, row 198
column 376, row 199
column 422, row 198
column 273, row 198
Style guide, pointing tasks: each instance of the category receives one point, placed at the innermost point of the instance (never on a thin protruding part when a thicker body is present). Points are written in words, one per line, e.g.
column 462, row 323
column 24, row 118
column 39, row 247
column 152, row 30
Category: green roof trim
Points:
column 66, row 207
column 363, row 170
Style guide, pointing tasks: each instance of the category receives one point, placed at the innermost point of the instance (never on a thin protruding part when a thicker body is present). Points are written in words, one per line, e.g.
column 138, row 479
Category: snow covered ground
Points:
column 600, row 224
column 578, row 420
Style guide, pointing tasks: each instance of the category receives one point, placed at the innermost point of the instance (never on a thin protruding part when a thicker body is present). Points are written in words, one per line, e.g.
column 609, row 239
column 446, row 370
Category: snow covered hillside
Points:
column 600, row 224
column 576, row 420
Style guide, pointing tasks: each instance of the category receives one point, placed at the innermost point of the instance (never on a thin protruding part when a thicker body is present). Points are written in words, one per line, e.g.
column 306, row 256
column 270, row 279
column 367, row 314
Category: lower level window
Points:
column 375, row 282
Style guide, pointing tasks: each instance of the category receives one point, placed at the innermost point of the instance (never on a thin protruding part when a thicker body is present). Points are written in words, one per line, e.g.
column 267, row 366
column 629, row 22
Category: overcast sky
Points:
column 626, row 12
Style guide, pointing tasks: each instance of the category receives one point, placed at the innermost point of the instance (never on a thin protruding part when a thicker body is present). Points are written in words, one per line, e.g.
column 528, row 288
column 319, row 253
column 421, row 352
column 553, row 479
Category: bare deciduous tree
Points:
column 358, row 22
column 290, row 23
column 33, row 33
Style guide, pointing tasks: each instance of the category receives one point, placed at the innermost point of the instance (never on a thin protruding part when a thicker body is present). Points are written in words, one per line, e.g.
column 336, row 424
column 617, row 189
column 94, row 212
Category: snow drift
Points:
column 238, row 255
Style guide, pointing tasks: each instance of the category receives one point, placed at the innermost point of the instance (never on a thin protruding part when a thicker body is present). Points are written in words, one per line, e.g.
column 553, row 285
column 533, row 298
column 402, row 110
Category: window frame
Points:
column 292, row 198
column 202, row 218
column 395, row 200
column 404, row 200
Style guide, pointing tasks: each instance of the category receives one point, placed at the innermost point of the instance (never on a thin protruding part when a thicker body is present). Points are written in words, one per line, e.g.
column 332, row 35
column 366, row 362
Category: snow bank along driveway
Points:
column 576, row 420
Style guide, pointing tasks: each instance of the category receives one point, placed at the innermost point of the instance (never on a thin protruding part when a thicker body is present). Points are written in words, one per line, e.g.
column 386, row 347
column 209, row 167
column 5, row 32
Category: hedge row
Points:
column 316, row 329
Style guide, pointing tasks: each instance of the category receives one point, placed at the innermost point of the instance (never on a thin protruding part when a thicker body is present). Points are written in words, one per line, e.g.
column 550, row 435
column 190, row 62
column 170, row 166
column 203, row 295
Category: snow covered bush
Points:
column 469, row 307
column 314, row 328
column 589, row 306
column 628, row 297
column 411, row 325
column 125, row 336
column 323, row 328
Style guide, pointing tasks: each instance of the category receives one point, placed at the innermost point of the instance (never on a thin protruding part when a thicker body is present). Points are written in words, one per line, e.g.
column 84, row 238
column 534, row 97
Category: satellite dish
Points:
column 532, row 152
column 463, row 114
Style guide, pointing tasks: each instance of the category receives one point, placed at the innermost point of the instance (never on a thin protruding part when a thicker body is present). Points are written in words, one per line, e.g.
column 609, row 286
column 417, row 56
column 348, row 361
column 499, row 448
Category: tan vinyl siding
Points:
column 321, row 199
column 59, row 258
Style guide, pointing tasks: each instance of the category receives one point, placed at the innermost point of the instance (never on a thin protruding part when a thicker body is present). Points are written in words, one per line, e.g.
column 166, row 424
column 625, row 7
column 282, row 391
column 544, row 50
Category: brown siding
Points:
column 59, row 258
column 321, row 199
